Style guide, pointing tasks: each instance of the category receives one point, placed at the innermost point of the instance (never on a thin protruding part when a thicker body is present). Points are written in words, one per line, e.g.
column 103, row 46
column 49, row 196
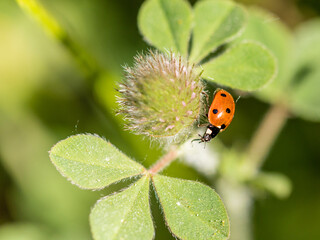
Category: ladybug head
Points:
column 210, row 133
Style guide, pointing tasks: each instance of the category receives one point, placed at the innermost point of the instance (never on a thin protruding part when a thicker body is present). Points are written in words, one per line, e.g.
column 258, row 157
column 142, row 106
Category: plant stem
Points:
column 164, row 161
column 88, row 65
column 86, row 62
column 266, row 134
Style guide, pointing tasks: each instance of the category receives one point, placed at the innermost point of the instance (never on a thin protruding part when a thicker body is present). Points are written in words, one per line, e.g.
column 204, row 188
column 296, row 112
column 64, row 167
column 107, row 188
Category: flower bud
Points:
column 161, row 96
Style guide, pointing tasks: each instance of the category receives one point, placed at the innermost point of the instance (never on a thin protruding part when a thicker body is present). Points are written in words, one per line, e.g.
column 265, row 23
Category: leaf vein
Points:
column 171, row 29
column 95, row 164
column 129, row 210
column 207, row 41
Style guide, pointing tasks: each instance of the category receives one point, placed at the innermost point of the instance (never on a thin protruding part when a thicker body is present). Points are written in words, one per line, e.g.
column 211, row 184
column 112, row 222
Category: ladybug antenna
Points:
column 238, row 98
column 197, row 139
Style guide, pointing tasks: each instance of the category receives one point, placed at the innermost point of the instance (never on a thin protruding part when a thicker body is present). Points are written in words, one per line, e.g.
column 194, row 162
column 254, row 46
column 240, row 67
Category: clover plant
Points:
column 162, row 96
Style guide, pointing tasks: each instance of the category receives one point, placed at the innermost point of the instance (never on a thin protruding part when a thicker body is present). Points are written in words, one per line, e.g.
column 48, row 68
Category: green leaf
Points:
column 275, row 183
column 192, row 210
column 216, row 22
column 266, row 28
column 305, row 97
column 22, row 231
column 246, row 66
column 166, row 24
column 91, row 162
column 307, row 50
column 125, row 215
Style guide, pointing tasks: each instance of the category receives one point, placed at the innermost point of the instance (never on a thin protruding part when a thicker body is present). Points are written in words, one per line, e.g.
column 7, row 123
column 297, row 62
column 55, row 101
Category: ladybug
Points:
column 220, row 114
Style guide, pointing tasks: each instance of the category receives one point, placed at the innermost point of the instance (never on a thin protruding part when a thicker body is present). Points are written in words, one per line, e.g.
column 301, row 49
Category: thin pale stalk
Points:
column 88, row 65
column 266, row 134
column 51, row 26
column 164, row 161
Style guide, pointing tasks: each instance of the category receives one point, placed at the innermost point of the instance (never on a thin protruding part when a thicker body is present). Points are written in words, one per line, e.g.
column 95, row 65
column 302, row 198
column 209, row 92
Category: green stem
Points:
column 257, row 151
column 265, row 136
column 86, row 62
column 88, row 65
column 164, row 161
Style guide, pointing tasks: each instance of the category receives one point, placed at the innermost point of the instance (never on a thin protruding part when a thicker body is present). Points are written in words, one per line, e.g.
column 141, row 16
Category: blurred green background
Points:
column 44, row 97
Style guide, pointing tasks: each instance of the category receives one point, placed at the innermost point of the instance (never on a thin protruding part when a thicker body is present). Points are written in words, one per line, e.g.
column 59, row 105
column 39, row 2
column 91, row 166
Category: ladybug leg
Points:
column 205, row 105
column 207, row 96
column 202, row 120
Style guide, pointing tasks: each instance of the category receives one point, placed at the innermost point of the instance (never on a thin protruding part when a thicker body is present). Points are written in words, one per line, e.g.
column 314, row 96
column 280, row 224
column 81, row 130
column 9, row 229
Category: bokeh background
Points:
column 45, row 97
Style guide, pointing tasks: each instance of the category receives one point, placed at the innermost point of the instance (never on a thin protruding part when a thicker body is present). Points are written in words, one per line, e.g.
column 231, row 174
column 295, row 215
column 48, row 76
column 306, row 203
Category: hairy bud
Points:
column 160, row 96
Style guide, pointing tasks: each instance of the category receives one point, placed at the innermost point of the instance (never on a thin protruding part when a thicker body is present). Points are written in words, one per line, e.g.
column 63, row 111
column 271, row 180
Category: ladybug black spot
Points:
column 223, row 95
column 223, row 126
column 215, row 111
column 228, row 110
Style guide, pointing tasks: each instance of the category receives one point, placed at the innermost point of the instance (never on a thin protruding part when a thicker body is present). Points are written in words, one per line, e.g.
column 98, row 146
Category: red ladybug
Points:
column 220, row 114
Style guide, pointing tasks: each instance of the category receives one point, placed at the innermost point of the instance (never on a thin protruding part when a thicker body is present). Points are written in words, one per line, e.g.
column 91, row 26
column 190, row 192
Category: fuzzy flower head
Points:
column 160, row 96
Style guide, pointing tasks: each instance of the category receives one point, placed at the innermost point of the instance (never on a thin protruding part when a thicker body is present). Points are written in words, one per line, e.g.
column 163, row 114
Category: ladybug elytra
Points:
column 220, row 114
